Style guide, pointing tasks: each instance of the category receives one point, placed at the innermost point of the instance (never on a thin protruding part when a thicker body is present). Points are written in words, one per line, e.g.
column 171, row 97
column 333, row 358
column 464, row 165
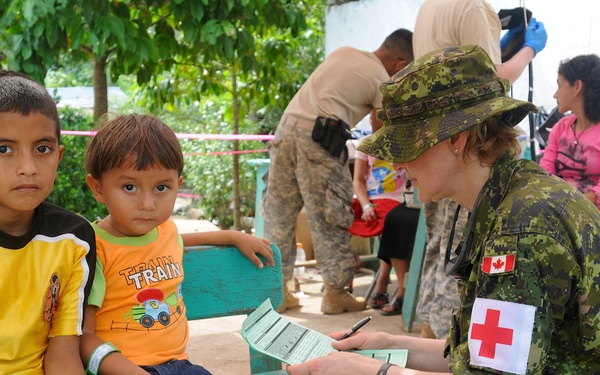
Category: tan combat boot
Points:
column 338, row 300
column 290, row 301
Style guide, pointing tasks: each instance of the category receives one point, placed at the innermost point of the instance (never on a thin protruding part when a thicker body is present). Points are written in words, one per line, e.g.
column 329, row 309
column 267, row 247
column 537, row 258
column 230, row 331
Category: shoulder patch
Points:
column 500, row 335
column 498, row 264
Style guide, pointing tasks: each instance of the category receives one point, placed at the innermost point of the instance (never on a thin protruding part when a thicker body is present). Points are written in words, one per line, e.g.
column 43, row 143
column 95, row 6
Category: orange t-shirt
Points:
column 137, row 290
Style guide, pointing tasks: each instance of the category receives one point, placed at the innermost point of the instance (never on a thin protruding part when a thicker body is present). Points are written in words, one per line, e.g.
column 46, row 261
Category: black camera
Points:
column 509, row 19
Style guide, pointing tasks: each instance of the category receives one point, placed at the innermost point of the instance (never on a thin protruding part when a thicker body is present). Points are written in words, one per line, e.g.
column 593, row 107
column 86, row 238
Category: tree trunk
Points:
column 100, row 87
column 237, row 202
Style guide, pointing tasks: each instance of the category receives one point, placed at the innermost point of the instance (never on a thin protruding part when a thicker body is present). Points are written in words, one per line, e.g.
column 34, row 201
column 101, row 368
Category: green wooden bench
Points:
column 214, row 273
column 413, row 282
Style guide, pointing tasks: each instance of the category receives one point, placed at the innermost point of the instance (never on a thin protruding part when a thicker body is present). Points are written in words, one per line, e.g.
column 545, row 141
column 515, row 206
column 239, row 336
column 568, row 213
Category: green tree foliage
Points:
column 257, row 83
column 232, row 66
column 70, row 189
column 136, row 36
column 66, row 73
column 37, row 32
column 208, row 172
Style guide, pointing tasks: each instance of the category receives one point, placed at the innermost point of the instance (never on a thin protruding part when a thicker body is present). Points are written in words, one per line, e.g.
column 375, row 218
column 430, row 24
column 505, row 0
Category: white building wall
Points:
column 573, row 28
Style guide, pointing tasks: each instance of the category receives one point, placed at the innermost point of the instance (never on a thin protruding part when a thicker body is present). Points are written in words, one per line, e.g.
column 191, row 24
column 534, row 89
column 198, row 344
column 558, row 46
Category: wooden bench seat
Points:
column 220, row 281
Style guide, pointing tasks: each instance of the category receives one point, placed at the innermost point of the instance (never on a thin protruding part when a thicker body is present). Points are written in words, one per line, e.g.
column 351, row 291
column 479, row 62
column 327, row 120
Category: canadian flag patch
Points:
column 500, row 335
column 498, row 264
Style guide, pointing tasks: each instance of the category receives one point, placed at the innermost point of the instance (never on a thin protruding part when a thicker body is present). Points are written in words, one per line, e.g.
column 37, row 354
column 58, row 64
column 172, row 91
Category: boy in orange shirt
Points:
column 136, row 320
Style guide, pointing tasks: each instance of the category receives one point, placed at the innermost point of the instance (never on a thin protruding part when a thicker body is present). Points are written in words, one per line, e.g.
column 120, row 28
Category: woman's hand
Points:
column 338, row 363
column 425, row 355
column 364, row 340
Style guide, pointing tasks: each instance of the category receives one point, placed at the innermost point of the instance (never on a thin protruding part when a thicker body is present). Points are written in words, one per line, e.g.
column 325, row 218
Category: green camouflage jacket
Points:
column 530, row 304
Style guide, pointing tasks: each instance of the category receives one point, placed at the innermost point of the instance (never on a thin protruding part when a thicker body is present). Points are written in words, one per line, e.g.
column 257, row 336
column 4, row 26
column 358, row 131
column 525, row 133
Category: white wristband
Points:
column 367, row 206
column 98, row 356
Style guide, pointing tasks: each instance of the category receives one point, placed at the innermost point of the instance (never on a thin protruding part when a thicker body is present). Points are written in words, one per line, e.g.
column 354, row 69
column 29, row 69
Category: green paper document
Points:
column 270, row 333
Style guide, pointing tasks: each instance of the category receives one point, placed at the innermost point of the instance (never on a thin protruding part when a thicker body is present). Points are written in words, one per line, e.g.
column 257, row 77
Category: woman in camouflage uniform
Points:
column 529, row 263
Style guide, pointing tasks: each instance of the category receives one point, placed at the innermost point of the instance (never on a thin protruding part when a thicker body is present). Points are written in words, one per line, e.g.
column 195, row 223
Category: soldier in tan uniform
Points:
column 302, row 173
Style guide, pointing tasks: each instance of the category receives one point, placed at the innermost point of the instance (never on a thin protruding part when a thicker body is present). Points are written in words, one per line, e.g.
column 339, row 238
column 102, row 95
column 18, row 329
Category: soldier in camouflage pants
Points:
column 438, row 295
column 323, row 185
column 344, row 86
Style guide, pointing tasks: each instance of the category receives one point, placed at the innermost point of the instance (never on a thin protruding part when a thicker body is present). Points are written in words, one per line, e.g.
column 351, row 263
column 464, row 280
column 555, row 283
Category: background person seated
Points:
column 379, row 209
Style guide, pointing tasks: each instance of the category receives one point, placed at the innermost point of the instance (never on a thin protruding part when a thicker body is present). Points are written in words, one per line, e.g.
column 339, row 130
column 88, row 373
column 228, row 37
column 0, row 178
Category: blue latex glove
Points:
column 510, row 34
column 535, row 36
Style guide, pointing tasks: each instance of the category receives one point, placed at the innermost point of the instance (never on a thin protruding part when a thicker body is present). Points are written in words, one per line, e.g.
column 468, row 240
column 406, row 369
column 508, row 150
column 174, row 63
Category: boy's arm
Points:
column 247, row 244
column 114, row 363
column 62, row 356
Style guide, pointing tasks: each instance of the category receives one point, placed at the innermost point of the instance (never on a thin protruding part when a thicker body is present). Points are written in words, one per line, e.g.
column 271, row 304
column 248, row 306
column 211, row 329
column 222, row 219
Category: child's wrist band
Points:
column 367, row 206
column 98, row 356
column 384, row 368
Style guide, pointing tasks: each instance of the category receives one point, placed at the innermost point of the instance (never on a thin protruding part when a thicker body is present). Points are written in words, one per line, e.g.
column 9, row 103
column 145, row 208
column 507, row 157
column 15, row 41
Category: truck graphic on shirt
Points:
column 152, row 308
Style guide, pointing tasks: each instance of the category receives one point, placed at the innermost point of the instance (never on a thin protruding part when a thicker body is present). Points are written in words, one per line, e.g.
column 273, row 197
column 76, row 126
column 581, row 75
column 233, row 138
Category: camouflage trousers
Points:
column 438, row 295
column 303, row 174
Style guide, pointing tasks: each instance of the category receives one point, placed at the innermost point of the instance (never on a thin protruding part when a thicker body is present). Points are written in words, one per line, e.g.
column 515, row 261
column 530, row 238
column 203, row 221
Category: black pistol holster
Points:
column 332, row 133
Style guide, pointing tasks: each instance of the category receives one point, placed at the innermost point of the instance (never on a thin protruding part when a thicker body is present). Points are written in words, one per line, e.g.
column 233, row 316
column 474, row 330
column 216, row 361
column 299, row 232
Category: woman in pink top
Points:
column 573, row 150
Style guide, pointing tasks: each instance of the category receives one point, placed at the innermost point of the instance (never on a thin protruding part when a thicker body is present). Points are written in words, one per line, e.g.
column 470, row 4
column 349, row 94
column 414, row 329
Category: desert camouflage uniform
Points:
column 304, row 173
column 438, row 296
column 554, row 233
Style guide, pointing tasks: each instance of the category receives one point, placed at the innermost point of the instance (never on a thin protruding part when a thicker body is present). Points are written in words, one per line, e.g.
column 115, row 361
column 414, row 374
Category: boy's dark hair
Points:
column 21, row 94
column 132, row 141
column 400, row 43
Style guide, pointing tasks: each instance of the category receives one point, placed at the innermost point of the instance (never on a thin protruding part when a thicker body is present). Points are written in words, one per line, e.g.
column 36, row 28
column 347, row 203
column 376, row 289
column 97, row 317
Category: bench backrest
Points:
column 220, row 281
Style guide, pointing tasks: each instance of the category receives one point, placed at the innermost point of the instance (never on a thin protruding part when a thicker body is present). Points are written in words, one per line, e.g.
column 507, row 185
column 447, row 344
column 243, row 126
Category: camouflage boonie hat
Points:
column 437, row 96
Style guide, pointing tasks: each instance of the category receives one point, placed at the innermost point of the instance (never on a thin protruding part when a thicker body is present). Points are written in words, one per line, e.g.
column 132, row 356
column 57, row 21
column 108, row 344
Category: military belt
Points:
column 298, row 122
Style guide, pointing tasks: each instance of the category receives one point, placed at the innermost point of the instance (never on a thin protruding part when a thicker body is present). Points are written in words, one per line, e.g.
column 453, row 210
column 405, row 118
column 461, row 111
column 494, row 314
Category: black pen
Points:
column 356, row 327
